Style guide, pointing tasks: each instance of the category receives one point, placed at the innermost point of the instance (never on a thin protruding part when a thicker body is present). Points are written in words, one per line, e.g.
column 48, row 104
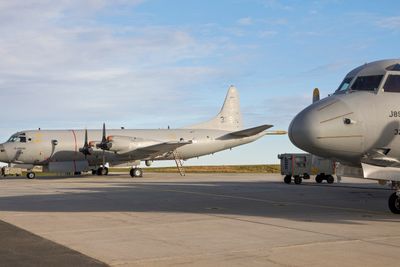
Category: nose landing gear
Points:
column 394, row 199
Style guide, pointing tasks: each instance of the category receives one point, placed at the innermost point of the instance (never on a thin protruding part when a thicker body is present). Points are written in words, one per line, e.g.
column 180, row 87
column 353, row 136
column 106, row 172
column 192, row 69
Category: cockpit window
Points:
column 345, row 84
column 17, row 138
column 367, row 83
column 392, row 84
column 395, row 67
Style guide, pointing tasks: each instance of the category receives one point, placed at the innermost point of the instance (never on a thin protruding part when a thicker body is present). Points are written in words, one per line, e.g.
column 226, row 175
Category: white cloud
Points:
column 62, row 74
column 266, row 34
column 245, row 21
column 392, row 23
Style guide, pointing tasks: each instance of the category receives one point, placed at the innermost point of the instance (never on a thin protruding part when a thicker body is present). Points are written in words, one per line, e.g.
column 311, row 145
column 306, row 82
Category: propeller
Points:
column 104, row 144
column 315, row 95
column 86, row 149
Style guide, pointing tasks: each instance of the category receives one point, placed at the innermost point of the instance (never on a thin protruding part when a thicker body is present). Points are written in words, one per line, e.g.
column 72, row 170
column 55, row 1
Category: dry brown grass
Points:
column 268, row 168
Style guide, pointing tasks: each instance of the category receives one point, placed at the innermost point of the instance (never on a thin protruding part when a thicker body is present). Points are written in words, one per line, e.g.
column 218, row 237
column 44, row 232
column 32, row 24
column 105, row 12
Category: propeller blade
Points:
column 104, row 139
column 86, row 138
column 85, row 150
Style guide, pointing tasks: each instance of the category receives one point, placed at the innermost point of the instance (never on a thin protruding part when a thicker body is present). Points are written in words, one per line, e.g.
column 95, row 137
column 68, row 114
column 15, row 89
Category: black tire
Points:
column 136, row 172
column 99, row 171
column 30, row 175
column 94, row 172
column 297, row 179
column 104, row 171
column 330, row 179
column 394, row 203
column 287, row 179
column 319, row 178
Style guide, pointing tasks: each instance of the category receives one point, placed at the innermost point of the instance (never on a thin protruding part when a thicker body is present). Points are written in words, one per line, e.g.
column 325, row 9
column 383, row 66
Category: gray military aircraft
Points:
column 82, row 150
column 358, row 125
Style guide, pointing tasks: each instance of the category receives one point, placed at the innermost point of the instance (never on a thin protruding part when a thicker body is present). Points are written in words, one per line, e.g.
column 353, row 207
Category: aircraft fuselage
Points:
column 43, row 146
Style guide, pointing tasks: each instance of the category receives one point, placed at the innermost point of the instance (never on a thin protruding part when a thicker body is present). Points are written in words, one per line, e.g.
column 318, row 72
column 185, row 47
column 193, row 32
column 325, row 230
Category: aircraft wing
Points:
column 247, row 132
column 154, row 151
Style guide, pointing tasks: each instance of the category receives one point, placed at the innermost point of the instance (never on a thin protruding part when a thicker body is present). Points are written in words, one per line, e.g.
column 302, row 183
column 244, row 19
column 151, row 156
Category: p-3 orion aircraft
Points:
column 358, row 126
column 67, row 151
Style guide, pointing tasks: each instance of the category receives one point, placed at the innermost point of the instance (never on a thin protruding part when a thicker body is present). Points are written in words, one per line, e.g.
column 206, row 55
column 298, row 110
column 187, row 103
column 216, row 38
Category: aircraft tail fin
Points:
column 229, row 118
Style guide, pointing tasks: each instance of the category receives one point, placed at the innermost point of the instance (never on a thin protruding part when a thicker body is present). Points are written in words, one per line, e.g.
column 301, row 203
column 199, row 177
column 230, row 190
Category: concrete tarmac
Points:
column 206, row 220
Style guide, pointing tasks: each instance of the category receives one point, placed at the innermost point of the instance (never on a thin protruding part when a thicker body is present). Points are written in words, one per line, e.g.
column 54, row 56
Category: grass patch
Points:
column 268, row 168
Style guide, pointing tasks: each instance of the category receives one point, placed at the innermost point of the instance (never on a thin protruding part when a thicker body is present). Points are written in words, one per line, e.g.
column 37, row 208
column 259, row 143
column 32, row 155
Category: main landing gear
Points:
column 30, row 175
column 100, row 171
column 136, row 172
column 394, row 199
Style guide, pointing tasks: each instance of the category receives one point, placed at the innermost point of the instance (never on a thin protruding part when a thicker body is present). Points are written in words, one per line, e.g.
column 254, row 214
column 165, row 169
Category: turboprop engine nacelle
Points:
column 124, row 144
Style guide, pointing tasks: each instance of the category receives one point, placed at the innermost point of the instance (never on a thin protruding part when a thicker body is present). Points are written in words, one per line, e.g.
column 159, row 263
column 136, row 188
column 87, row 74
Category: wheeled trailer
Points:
column 296, row 165
column 299, row 166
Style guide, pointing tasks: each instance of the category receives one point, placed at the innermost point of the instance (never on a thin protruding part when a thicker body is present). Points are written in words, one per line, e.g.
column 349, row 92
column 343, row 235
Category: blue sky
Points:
column 149, row 64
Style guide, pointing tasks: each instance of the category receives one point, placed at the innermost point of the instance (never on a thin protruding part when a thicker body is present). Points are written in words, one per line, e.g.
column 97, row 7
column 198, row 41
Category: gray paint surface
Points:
column 208, row 219
column 354, row 127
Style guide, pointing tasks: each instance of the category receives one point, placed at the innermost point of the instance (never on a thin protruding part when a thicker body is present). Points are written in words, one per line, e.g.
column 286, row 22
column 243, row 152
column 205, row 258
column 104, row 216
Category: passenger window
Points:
column 392, row 84
column 367, row 83
column 22, row 139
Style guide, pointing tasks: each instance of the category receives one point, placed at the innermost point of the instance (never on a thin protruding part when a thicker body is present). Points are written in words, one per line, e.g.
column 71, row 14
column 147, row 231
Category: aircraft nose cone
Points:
column 303, row 130
column 3, row 154
column 320, row 129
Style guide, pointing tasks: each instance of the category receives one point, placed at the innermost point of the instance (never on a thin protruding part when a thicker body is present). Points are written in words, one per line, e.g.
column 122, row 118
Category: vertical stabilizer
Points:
column 229, row 118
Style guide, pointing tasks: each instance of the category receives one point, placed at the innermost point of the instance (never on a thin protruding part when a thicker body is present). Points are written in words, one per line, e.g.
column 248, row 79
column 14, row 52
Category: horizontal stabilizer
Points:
column 247, row 132
column 251, row 131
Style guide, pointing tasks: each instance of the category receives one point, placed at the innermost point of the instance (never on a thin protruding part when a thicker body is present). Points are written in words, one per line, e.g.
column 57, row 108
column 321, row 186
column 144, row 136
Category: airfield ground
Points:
column 197, row 220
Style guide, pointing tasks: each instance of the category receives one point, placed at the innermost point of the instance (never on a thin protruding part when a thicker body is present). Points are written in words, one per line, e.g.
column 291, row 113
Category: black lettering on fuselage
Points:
column 394, row 114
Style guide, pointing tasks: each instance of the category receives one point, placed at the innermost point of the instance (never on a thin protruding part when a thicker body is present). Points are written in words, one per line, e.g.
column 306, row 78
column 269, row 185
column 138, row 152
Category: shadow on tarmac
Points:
column 22, row 248
column 307, row 202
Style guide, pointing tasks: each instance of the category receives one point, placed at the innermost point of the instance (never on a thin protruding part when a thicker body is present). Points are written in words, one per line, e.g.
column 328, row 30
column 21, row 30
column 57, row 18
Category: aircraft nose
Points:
column 303, row 130
column 328, row 128
column 3, row 154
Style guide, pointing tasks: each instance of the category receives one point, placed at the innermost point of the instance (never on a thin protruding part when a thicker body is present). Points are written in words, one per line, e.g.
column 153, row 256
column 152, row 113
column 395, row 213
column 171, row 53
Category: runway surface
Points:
column 198, row 220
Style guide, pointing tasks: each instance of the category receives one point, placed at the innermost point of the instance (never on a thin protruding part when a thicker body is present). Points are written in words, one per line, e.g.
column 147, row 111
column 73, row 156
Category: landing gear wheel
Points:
column 30, row 175
column 297, row 180
column 136, row 172
column 319, row 178
column 287, row 179
column 394, row 203
column 330, row 179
